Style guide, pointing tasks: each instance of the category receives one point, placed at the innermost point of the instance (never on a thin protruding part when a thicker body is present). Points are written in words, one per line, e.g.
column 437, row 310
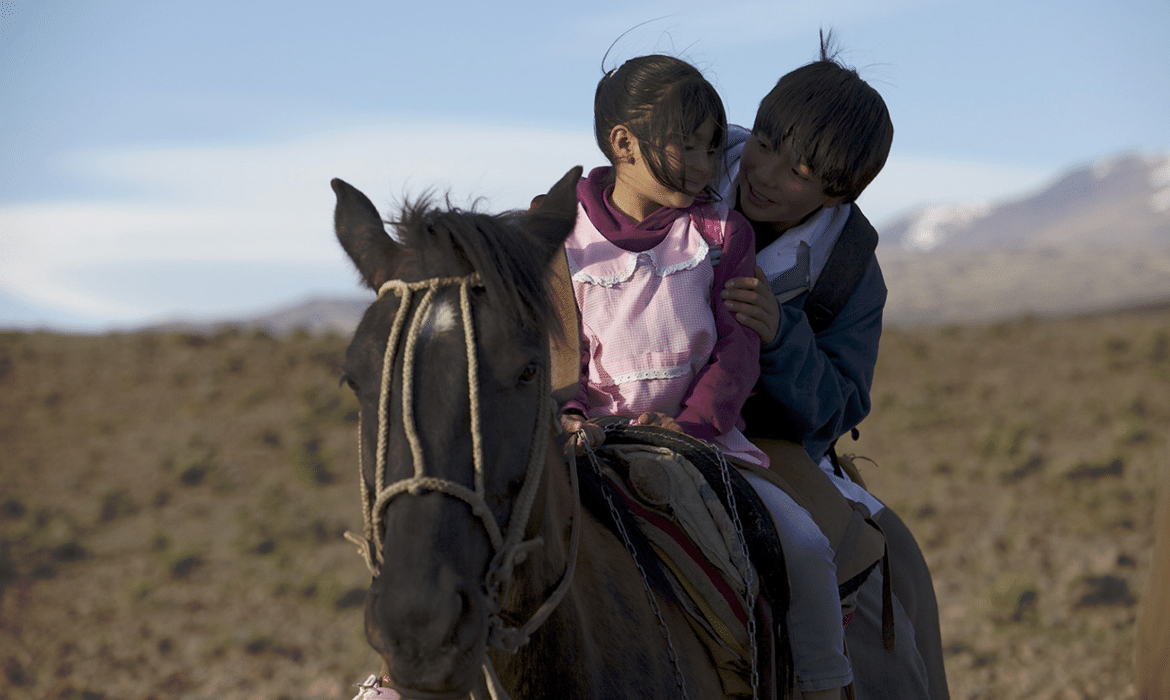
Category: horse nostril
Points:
column 448, row 614
column 432, row 619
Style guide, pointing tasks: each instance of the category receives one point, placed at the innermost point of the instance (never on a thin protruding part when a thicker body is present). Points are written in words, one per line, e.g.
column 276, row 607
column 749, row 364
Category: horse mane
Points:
column 510, row 260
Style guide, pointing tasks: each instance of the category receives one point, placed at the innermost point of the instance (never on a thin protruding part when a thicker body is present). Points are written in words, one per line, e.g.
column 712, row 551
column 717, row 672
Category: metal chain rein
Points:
column 595, row 463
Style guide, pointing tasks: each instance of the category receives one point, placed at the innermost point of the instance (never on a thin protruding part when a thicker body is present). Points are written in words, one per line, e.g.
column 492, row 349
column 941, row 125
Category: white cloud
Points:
column 267, row 204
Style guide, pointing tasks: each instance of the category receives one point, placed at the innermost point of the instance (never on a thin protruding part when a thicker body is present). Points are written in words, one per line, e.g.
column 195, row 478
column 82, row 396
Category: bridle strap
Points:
column 510, row 548
column 511, row 639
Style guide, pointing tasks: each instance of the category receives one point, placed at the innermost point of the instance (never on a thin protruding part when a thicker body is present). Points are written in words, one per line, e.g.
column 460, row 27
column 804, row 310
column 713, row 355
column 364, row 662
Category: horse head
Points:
column 450, row 366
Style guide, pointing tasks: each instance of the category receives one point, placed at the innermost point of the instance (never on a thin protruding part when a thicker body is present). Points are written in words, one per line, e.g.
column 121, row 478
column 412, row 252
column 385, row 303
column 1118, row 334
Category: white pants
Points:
column 814, row 614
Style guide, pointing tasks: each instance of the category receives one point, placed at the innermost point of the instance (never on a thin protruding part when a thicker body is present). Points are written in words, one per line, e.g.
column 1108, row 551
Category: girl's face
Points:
column 776, row 189
column 695, row 159
column 637, row 193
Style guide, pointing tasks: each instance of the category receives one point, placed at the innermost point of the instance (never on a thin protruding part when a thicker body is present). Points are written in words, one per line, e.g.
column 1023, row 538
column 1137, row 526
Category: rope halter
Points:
column 509, row 548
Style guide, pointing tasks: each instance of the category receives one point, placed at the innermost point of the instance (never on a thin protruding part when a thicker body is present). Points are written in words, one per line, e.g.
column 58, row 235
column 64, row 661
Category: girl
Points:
column 650, row 245
column 643, row 261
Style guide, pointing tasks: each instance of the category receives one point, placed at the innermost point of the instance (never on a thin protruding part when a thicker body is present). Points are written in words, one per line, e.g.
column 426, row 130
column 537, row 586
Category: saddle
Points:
column 684, row 501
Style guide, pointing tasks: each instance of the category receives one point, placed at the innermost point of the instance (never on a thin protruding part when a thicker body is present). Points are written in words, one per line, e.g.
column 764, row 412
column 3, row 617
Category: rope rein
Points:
column 510, row 548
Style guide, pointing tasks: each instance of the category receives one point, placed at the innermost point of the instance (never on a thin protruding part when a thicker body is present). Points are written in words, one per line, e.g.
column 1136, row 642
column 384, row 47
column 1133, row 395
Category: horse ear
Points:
column 361, row 233
column 552, row 216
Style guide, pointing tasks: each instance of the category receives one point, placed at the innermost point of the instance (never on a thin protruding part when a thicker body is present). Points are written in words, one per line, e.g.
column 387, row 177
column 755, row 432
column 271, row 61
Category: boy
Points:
column 820, row 137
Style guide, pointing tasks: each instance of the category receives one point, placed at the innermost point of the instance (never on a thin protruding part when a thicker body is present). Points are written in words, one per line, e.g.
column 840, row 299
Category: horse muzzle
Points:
column 433, row 641
column 427, row 613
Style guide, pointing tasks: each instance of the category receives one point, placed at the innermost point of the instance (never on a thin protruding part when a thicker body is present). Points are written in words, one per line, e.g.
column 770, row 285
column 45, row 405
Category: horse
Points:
column 489, row 578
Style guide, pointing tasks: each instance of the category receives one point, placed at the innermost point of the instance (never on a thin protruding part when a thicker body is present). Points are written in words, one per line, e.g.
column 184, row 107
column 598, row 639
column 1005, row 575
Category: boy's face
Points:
column 775, row 189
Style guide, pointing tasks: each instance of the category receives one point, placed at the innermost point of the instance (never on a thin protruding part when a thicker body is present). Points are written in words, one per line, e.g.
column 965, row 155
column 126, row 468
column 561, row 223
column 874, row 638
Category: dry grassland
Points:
column 171, row 506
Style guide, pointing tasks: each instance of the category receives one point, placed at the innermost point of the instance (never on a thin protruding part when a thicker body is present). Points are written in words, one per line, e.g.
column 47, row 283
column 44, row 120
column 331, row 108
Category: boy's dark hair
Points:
column 832, row 121
column 662, row 100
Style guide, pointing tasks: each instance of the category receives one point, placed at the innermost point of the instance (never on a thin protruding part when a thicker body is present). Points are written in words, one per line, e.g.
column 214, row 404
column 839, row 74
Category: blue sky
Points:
column 172, row 159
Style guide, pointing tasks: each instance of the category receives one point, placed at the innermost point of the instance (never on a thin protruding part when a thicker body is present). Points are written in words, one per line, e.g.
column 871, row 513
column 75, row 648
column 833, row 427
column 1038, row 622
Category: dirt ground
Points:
column 172, row 506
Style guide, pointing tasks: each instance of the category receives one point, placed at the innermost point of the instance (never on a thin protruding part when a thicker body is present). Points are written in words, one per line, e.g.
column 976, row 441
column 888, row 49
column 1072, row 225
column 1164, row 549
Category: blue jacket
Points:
column 813, row 388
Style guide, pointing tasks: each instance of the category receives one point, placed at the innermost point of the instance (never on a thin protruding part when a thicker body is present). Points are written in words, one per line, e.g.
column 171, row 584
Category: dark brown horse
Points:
column 472, row 515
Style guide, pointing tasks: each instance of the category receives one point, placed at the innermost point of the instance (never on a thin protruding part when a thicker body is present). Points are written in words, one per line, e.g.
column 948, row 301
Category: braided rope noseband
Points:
column 510, row 549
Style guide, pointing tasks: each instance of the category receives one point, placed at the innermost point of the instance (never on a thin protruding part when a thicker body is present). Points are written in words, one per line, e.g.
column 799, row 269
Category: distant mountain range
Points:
column 337, row 315
column 1097, row 238
column 1120, row 202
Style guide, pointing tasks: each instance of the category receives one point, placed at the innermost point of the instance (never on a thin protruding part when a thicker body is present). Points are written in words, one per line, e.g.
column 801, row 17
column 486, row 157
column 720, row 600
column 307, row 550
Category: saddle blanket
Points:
column 697, row 541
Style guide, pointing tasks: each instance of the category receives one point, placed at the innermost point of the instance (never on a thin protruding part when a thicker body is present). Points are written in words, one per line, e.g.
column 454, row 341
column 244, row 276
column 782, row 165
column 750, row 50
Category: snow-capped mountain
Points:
column 1120, row 201
column 1097, row 238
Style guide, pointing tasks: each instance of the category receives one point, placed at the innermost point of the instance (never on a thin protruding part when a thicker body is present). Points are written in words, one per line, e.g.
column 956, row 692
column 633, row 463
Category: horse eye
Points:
column 529, row 373
column 349, row 382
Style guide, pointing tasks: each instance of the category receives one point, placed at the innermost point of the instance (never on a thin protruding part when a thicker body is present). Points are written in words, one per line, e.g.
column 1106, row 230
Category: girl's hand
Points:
column 657, row 419
column 594, row 435
column 751, row 300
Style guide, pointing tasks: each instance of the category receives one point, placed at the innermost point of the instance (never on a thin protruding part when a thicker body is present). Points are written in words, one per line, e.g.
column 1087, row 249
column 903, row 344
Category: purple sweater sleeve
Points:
column 716, row 397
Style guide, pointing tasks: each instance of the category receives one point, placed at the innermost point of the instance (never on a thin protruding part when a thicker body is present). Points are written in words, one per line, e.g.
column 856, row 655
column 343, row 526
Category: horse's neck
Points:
column 604, row 636
column 537, row 668
column 569, row 655
column 563, row 651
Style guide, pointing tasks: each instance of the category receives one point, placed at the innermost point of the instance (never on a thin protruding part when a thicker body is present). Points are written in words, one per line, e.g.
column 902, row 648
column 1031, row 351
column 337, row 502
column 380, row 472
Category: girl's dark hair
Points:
column 833, row 121
column 662, row 100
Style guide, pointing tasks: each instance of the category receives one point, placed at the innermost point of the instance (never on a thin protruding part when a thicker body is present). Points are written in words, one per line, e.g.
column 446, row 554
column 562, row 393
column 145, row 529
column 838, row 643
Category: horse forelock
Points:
column 510, row 262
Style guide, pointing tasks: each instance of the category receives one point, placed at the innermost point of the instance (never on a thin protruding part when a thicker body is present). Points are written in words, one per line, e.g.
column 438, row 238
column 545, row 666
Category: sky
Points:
column 165, row 160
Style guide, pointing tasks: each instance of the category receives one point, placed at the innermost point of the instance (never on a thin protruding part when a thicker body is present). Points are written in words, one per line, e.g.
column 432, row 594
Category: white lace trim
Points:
column 592, row 237
column 580, row 275
column 699, row 256
column 644, row 374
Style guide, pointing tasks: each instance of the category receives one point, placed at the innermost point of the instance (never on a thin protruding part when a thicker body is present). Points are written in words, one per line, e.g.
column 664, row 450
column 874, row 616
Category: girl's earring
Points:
column 630, row 160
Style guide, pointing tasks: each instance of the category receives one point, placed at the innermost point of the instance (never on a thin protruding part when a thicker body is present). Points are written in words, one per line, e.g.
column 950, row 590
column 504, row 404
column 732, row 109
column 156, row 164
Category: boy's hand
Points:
column 657, row 419
column 751, row 300
column 594, row 435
